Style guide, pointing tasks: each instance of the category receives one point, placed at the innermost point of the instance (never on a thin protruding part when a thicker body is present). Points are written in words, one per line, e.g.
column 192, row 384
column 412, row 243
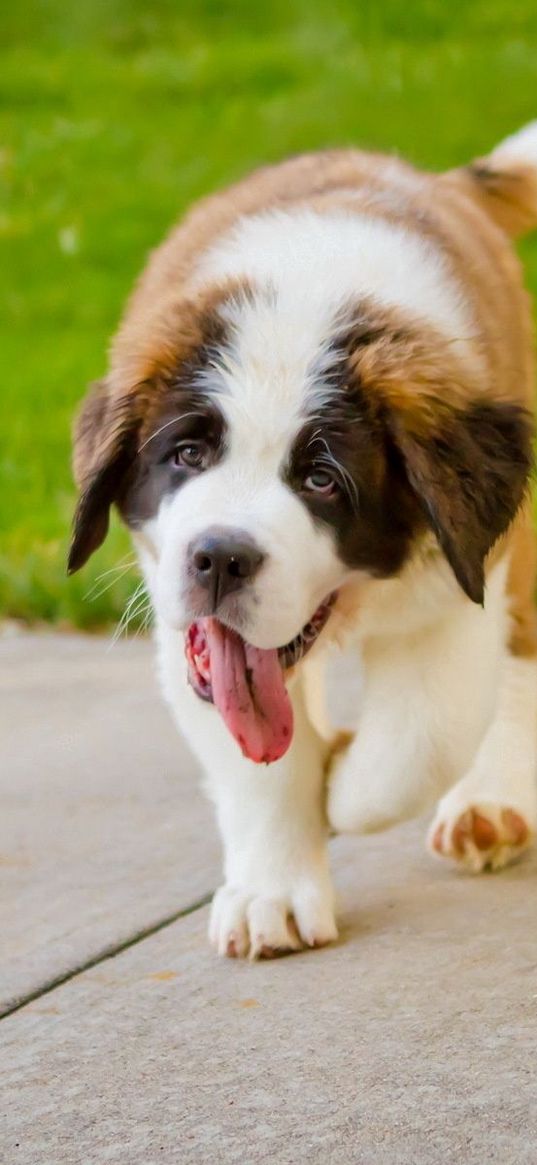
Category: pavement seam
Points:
column 109, row 952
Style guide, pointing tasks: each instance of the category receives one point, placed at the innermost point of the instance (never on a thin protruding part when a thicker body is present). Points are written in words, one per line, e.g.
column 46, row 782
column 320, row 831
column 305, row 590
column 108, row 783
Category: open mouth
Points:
column 247, row 684
column 294, row 651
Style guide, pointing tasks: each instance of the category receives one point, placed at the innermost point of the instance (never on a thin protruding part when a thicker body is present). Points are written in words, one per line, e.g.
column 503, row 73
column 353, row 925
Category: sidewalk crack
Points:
column 108, row 952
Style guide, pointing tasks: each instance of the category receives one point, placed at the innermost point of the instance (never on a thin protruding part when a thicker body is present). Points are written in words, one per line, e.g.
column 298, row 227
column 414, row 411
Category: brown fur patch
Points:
column 508, row 195
column 467, row 457
column 521, row 584
column 117, row 416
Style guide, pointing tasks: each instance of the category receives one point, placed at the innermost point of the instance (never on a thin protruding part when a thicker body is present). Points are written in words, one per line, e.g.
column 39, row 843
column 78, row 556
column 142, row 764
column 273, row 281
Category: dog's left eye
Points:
column 320, row 481
column 191, row 455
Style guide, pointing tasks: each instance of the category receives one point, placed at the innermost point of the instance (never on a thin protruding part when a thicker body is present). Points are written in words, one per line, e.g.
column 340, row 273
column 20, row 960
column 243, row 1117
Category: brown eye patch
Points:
column 190, row 421
column 370, row 512
column 405, row 420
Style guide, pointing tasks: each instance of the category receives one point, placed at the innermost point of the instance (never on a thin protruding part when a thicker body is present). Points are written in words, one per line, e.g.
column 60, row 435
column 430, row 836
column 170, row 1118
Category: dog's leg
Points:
column 489, row 817
column 428, row 700
column 277, row 894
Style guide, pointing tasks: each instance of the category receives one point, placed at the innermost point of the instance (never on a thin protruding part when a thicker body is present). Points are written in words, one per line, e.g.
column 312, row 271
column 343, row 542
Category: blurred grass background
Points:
column 115, row 114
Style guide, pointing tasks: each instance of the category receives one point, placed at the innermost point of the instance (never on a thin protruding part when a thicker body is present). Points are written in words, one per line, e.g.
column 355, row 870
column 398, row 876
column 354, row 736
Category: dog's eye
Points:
column 191, row 455
column 320, row 481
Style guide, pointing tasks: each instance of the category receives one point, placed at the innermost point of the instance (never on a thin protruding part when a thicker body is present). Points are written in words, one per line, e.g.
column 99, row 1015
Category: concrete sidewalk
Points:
column 411, row 1041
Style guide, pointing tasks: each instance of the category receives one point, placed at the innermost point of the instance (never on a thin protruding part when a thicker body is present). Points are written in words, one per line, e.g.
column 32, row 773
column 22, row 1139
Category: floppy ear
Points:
column 104, row 447
column 469, row 468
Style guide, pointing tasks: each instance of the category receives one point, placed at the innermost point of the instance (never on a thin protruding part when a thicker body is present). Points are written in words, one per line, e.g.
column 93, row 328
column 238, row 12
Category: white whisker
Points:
column 145, row 625
column 119, row 571
column 327, row 458
column 322, row 417
column 136, row 605
column 347, row 480
column 174, row 420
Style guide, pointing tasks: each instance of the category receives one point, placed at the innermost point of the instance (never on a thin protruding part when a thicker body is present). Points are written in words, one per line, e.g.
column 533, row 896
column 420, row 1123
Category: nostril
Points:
column 203, row 563
column 220, row 563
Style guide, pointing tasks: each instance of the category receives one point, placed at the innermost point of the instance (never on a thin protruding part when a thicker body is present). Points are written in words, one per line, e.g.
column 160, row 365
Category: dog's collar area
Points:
column 295, row 651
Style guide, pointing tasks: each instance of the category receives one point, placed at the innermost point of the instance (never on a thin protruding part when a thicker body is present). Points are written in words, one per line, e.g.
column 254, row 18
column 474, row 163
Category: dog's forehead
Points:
column 276, row 367
column 314, row 262
column 306, row 273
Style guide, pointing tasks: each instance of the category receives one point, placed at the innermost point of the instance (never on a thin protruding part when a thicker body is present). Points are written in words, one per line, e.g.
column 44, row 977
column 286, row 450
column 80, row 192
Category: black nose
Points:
column 222, row 561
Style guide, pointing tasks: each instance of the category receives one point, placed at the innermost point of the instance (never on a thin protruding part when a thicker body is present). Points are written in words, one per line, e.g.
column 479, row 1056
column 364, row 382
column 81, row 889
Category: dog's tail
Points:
column 505, row 182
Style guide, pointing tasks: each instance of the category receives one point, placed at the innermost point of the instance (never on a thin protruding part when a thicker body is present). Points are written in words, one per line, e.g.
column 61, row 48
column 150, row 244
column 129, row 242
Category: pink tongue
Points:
column 249, row 692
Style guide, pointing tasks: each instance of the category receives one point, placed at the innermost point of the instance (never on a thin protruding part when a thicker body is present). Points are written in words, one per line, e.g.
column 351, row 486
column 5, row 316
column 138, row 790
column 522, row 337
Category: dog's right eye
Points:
column 191, row 455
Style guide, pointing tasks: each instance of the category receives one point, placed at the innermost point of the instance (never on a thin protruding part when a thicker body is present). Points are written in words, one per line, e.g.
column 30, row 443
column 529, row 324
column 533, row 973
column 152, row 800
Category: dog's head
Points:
column 263, row 464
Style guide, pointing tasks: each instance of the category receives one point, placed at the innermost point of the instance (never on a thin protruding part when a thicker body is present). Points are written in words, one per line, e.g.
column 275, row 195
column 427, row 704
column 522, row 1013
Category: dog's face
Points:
column 267, row 456
column 260, row 482
column 264, row 466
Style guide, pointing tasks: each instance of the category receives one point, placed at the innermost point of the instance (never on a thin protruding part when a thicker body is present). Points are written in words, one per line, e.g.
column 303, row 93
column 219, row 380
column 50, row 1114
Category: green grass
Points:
column 115, row 114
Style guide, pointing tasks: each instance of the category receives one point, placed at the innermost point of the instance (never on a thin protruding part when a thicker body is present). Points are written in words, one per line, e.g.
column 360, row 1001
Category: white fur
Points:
column 519, row 148
column 316, row 262
column 301, row 566
column 429, row 695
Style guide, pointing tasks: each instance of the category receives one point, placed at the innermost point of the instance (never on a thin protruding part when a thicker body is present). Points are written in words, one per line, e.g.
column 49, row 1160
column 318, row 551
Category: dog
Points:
column 317, row 424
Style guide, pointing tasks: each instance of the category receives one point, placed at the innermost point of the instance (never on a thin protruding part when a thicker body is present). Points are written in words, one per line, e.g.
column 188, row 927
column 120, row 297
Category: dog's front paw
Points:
column 262, row 927
column 480, row 836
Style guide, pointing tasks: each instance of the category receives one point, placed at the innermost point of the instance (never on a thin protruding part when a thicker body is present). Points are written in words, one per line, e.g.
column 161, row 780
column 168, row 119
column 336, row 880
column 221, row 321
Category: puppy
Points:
column 317, row 424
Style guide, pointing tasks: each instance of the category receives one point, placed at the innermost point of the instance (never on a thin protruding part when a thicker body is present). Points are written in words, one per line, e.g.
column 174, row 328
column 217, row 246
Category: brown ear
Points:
column 104, row 447
column 469, row 470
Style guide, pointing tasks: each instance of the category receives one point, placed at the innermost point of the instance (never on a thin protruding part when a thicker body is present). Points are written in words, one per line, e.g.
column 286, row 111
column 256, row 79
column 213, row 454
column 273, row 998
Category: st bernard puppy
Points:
column 317, row 424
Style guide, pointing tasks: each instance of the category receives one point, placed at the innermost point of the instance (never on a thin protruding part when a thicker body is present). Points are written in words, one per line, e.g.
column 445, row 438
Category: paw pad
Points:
column 480, row 836
column 473, row 827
